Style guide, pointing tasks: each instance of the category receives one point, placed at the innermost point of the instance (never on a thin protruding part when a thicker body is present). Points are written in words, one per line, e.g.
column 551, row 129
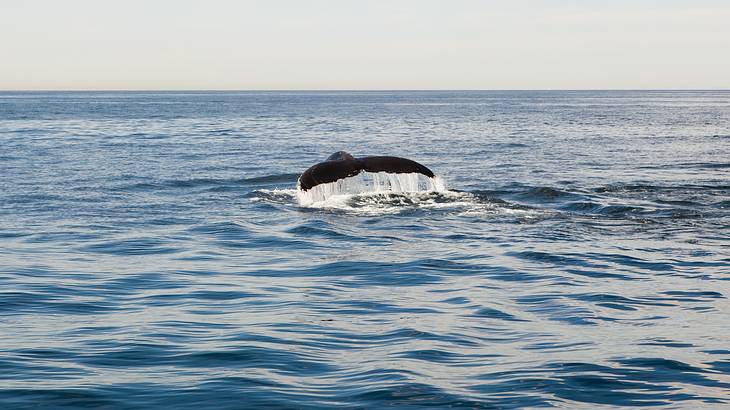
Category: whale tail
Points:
column 394, row 165
column 336, row 169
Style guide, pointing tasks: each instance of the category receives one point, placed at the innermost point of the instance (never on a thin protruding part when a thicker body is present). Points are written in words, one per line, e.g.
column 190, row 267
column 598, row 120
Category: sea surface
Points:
column 154, row 252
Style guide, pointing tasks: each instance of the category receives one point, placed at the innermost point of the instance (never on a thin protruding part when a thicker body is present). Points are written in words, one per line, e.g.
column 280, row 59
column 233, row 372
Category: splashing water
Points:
column 371, row 183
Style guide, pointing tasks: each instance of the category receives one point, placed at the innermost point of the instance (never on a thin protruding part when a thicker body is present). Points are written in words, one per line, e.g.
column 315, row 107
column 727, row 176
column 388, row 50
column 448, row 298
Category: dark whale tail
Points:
column 342, row 165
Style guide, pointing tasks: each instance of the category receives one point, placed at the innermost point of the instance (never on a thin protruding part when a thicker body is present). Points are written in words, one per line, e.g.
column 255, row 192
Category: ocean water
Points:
column 154, row 252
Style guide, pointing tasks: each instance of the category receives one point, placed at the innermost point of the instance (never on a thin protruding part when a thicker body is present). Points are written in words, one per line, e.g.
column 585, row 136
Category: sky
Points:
column 363, row 45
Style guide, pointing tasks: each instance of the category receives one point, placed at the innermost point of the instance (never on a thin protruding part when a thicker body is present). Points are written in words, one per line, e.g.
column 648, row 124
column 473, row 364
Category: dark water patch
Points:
column 635, row 213
column 31, row 367
column 234, row 235
column 223, row 230
column 72, row 398
column 489, row 194
column 553, row 346
column 554, row 307
column 720, row 136
column 622, row 211
column 631, row 262
column 693, row 165
column 32, row 198
column 456, row 300
column 610, row 301
column 369, row 273
column 45, row 354
column 598, row 273
column 602, row 298
column 230, row 392
column 613, row 188
column 320, row 229
column 683, row 299
column 717, row 352
column 491, row 313
column 668, row 370
column 131, row 355
column 246, row 357
column 377, row 376
column 221, row 131
column 414, row 395
column 65, row 237
column 132, row 247
column 281, row 361
column 693, row 295
column 679, row 203
column 413, row 273
column 656, row 188
column 247, row 337
column 36, row 271
column 514, row 145
column 721, row 366
column 545, row 194
column 448, row 357
column 387, row 337
column 13, row 234
column 582, row 207
column 221, row 295
column 557, row 259
column 267, row 242
column 170, row 221
column 314, row 231
column 35, row 302
column 665, row 343
column 366, row 307
column 201, row 297
column 126, row 284
column 678, row 214
column 632, row 382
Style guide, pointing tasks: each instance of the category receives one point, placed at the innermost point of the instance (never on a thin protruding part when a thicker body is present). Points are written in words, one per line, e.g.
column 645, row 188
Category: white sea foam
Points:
column 369, row 183
column 386, row 194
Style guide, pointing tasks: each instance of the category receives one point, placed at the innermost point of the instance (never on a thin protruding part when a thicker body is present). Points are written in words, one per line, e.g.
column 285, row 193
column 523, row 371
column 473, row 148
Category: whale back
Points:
column 339, row 156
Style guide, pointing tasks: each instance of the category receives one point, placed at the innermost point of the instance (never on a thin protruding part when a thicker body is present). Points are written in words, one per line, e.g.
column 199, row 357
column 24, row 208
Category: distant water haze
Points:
column 328, row 44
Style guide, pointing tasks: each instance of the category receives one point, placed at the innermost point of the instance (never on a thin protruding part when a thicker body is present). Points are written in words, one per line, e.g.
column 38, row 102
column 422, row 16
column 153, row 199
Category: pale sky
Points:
column 363, row 44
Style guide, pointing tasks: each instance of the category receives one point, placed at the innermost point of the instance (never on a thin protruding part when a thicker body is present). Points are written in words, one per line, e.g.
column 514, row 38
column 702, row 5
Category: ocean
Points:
column 154, row 251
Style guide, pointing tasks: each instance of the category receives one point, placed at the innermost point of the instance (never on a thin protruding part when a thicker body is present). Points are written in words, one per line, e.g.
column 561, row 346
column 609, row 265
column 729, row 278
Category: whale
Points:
column 342, row 165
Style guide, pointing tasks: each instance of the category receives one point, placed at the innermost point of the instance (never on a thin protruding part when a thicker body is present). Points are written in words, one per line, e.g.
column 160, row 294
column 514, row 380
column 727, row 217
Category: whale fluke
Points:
column 342, row 165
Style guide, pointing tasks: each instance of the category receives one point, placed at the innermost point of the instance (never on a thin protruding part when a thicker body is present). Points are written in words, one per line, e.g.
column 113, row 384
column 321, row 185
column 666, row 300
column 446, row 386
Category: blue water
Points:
column 153, row 253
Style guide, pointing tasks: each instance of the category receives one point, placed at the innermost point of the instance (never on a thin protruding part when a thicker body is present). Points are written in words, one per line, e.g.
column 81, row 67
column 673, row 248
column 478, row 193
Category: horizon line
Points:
column 349, row 90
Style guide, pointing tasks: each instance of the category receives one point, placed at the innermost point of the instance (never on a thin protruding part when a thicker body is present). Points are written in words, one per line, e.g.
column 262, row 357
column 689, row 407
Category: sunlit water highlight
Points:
column 155, row 252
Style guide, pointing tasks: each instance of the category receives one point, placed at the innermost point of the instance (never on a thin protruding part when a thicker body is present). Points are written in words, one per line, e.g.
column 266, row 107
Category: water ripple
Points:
column 154, row 254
